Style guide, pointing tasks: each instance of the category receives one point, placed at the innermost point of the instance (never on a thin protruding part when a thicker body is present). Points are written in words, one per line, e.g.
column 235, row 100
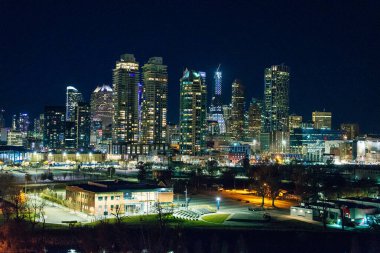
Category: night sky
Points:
column 331, row 47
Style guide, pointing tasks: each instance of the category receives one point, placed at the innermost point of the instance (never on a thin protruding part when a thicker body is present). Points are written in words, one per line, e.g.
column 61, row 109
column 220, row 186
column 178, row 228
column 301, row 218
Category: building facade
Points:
column 216, row 110
column 276, row 98
column 54, row 127
column 321, row 120
column 366, row 149
column 193, row 101
column 102, row 106
column 21, row 122
column 102, row 111
column 73, row 97
column 310, row 142
column 15, row 138
column 295, row 121
column 126, row 100
column 83, row 125
column 117, row 197
column 237, row 110
column 155, row 102
column 351, row 130
column 254, row 120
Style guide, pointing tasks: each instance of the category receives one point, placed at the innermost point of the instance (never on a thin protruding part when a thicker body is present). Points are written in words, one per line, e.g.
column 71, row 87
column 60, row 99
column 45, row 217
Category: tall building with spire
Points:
column 216, row 108
column 73, row 97
column 276, row 98
column 193, row 102
column 126, row 100
column 155, row 102
column 237, row 110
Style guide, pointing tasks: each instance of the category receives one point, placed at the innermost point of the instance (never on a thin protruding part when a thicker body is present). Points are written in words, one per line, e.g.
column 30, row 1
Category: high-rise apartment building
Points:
column 155, row 102
column 54, row 127
column 73, row 97
column 237, row 110
column 216, row 109
column 126, row 100
column 193, row 101
column 276, row 98
column 322, row 120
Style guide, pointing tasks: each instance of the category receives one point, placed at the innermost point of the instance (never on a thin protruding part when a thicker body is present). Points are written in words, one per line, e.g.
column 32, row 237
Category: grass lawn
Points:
column 152, row 220
column 216, row 218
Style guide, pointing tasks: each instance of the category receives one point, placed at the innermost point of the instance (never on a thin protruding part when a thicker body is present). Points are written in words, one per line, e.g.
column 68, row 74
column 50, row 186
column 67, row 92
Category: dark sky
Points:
column 332, row 48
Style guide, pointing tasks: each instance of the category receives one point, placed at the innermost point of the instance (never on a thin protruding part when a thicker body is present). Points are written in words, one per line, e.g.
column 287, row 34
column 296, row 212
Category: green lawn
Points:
column 216, row 218
column 152, row 220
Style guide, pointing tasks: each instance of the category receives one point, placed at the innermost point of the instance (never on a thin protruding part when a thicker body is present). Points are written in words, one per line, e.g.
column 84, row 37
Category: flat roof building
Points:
column 103, row 198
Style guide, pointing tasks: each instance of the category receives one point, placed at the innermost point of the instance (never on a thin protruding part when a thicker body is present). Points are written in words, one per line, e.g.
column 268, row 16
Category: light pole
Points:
column 217, row 203
column 186, row 196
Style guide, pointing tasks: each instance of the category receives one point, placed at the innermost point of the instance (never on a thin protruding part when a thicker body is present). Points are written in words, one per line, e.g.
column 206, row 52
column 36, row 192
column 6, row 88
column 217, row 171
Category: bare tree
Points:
column 118, row 215
column 260, row 183
column 35, row 210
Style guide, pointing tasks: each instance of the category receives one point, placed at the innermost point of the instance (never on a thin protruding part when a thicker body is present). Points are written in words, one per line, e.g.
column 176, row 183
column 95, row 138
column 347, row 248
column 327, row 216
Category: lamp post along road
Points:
column 217, row 203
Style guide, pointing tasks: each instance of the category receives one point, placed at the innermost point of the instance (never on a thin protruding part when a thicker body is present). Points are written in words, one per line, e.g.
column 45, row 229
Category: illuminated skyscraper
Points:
column 54, row 127
column 254, row 120
column 155, row 102
column 21, row 122
column 276, row 98
column 73, row 97
column 216, row 110
column 39, row 127
column 193, row 101
column 83, row 125
column 322, row 120
column 101, row 105
column 237, row 110
column 102, row 112
column 126, row 100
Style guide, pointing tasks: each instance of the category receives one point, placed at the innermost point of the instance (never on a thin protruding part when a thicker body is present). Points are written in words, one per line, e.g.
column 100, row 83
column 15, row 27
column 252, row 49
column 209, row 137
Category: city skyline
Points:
column 189, row 126
column 320, row 68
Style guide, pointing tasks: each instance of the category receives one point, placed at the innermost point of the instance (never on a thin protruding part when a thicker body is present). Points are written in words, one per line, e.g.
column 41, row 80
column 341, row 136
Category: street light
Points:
column 217, row 203
column 186, row 197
